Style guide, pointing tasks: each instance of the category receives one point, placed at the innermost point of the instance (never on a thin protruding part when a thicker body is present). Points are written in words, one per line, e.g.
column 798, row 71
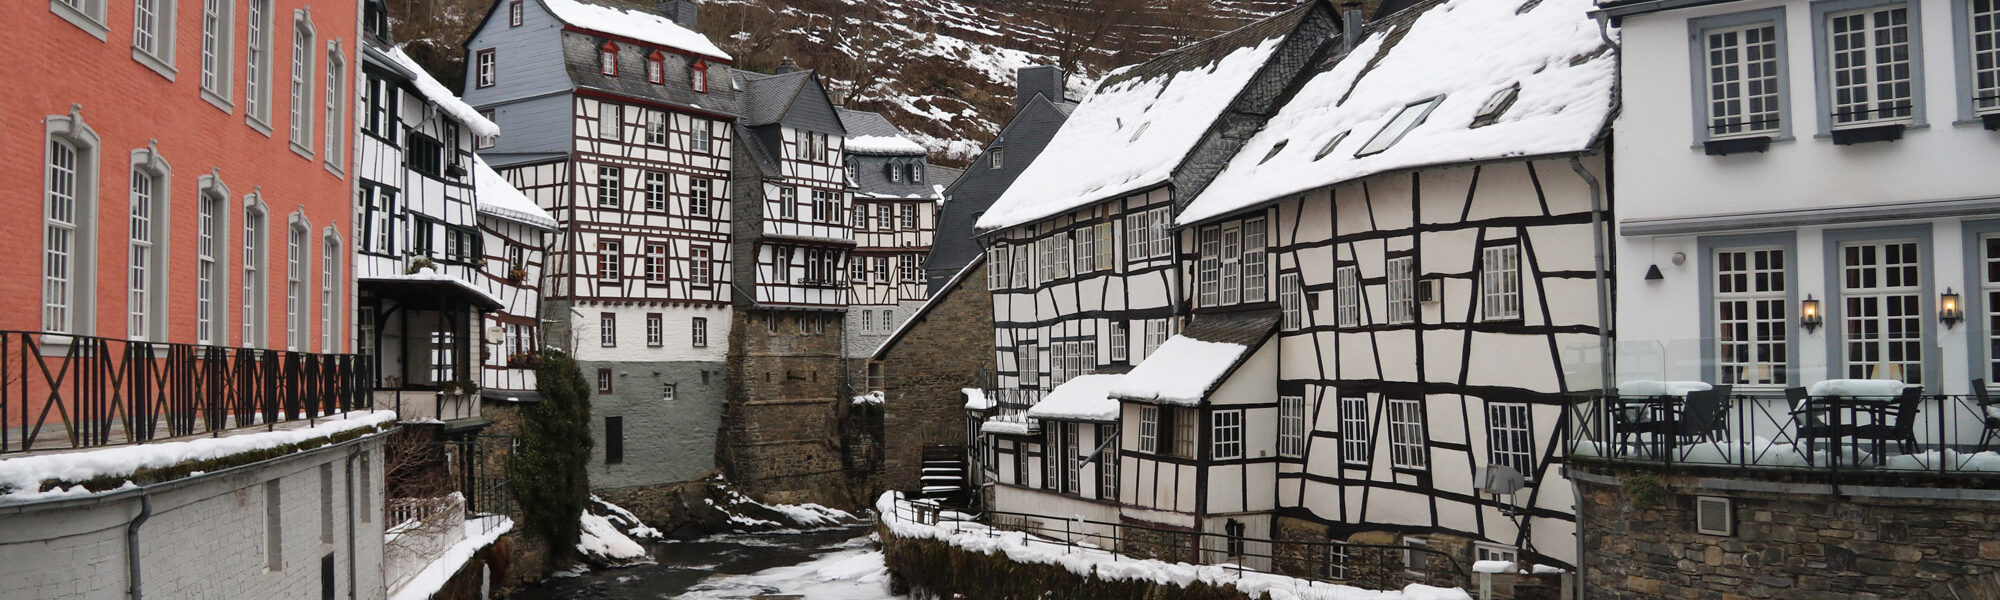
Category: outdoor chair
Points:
column 1701, row 416
column 1891, row 421
column 1989, row 414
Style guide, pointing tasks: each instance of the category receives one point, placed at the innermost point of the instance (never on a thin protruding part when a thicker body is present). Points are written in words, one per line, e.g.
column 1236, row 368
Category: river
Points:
column 827, row 564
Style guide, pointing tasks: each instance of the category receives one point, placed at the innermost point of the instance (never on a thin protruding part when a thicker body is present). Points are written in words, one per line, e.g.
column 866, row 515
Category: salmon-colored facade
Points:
column 185, row 122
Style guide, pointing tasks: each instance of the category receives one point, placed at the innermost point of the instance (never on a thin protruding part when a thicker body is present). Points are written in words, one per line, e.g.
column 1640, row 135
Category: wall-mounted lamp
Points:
column 1948, row 310
column 1809, row 317
column 1653, row 273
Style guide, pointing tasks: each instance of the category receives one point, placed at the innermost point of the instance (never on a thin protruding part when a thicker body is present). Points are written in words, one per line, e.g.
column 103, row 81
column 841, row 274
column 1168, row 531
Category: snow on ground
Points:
column 1086, row 562
column 1180, row 371
column 21, row 477
column 802, row 515
column 625, row 520
column 479, row 533
column 852, row 573
column 601, row 540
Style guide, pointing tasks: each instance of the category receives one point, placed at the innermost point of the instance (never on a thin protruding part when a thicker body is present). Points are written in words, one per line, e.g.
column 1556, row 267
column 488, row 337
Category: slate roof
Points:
column 861, row 122
column 976, row 188
column 770, row 96
column 945, row 176
column 580, row 58
column 1243, row 328
column 1200, row 55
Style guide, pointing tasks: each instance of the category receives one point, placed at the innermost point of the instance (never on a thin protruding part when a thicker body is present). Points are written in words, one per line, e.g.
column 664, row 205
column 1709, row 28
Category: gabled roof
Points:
column 1188, row 367
column 436, row 93
column 871, row 133
column 1143, row 122
column 630, row 20
column 1466, row 52
column 769, row 97
column 923, row 311
column 580, row 58
column 495, row 196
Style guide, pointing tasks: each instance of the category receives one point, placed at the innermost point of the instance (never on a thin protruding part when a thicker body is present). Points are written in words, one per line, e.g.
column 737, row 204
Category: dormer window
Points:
column 916, row 172
column 699, row 75
column 895, row 173
column 656, row 67
column 607, row 59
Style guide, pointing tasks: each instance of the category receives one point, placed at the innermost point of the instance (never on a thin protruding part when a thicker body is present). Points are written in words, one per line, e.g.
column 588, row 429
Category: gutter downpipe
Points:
column 1604, row 354
column 351, row 583
column 137, row 591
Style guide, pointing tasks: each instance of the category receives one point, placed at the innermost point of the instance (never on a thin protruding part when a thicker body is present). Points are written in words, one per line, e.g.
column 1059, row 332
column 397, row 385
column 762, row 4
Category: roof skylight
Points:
column 1328, row 148
column 1495, row 106
column 1280, row 147
column 1399, row 125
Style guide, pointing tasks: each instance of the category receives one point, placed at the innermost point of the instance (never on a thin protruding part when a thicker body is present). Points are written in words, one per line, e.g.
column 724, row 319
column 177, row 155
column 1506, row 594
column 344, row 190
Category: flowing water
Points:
column 827, row 564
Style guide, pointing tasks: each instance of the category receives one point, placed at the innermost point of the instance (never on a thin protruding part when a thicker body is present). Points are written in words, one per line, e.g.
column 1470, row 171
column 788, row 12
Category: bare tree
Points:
column 1082, row 26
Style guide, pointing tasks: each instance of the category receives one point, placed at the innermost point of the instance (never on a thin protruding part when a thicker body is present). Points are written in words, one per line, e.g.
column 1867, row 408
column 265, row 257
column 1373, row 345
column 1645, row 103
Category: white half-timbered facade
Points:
column 515, row 235
column 895, row 217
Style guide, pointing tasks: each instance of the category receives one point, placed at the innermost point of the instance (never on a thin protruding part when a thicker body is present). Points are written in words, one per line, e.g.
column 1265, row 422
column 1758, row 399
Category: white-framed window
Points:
column 781, row 264
column 610, row 187
column 1990, row 286
column 218, row 20
column 881, row 269
column 996, row 158
column 87, row 15
column 888, row 319
column 1225, row 434
column 610, row 122
column 868, row 321
column 667, row 392
column 296, row 315
column 1117, row 340
column 1882, row 311
column 656, row 191
column 336, row 103
column 1254, row 267
column 656, row 263
column 302, row 82
column 257, row 64
column 1500, row 282
column 1983, row 18
column 514, row 13
column 1149, row 428
column 1412, row 115
column 882, row 217
column 1027, row 367
column 788, row 202
column 1232, row 265
column 330, row 277
column 1742, row 79
column 1059, row 363
column 699, row 272
column 701, row 136
column 66, row 243
column 607, row 60
column 1509, row 439
column 1354, row 431
column 1347, row 296
column 656, row 333
column 1752, row 317
column 148, row 266
column 209, row 238
column 997, row 275
column 1333, row 558
column 1406, row 434
column 1072, row 457
column 607, row 330
column 610, row 255
column 153, row 34
column 1022, row 254
column 1187, row 423
column 906, row 269
column 1870, row 69
column 699, row 193
column 1147, row 233
column 1291, row 300
column 1292, row 426
column 1402, row 289
column 1156, row 334
column 656, row 128
column 656, row 69
column 910, row 216
column 1107, row 461
column 699, row 333
column 253, row 270
column 1484, row 552
column 1208, row 270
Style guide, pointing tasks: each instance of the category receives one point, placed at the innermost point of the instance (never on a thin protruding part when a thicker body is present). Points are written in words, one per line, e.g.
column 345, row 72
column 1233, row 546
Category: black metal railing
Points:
column 68, row 391
column 1372, row 566
column 1838, row 436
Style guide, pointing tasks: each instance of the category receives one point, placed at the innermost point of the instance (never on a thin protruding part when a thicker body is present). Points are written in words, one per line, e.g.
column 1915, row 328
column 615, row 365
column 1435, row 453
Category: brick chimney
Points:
column 1047, row 80
column 681, row 11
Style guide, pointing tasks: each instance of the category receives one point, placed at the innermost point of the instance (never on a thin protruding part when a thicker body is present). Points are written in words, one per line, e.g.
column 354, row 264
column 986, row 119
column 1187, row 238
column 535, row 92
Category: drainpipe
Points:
column 1604, row 354
column 132, row 544
column 350, row 522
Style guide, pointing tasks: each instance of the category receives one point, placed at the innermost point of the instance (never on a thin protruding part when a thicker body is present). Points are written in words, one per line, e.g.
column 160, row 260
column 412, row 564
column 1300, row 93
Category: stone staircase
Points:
column 944, row 476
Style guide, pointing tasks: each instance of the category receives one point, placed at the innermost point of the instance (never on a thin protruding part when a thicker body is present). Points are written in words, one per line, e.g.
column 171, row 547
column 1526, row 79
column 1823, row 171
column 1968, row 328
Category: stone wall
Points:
column 1374, row 559
column 949, row 348
column 1794, row 538
column 780, row 440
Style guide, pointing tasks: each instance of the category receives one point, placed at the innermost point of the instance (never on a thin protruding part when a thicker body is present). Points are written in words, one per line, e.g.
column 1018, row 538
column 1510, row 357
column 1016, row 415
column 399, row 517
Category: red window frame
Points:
column 699, row 75
column 514, row 13
column 489, row 78
column 656, row 67
column 608, row 50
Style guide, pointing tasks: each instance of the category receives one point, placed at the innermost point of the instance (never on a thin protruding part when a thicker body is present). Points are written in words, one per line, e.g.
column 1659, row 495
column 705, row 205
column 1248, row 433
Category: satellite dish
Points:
column 496, row 335
column 1498, row 479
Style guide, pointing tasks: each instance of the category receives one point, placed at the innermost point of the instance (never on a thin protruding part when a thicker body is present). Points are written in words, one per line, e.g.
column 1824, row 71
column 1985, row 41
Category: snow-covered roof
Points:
column 1084, row 398
column 1138, row 127
column 1180, row 371
column 1468, row 52
column 872, row 133
column 633, row 22
column 499, row 198
column 1015, row 424
column 440, row 95
column 882, row 144
column 21, row 477
column 975, row 399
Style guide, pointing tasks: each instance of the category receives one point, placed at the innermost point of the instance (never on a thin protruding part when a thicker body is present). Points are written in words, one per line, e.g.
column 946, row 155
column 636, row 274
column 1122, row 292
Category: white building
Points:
column 896, row 200
column 515, row 235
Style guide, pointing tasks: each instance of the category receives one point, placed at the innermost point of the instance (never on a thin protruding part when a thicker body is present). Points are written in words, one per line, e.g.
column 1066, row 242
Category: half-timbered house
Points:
column 896, row 197
column 514, row 236
column 1084, row 277
column 620, row 124
column 417, row 255
column 1041, row 104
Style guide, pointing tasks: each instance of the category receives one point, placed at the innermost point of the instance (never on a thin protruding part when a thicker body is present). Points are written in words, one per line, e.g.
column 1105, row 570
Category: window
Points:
column 1119, row 346
column 607, row 59
column 917, row 172
column 882, row 220
column 881, row 269
column 1292, row 426
column 336, row 104
column 1752, row 317
column 781, row 264
column 656, row 68
column 148, row 265
column 701, row 137
column 1026, row 367
column 667, row 392
column 66, row 264
column 910, row 216
column 1354, row 429
column 487, row 67
column 1484, row 552
column 655, row 330
column 1508, row 439
column 1072, row 458
column 698, row 76
column 153, row 34
column 1232, row 538
column 1208, row 270
column 1402, row 289
column 698, row 269
column 698, row 196
column 996, row 158
column 85, row 14
column 656, row 263
column 906, row 269
column 257, row 65
column 610, row 122
column 804, row 327
column 1881, row 310
column 1743, row 79
column 1226, row 435
column 514, row 13
column 656, row 128
column 1984, row 21
column 700, row 332
column 1334, row 558
column 1185, row 426
column 330, row 278
column 253, row 266
column 1107, row 462
column 604, row 385
column 1254, row 269
column 1347, row 296
column 1406, row 434
column 1149, row 428
column 217, row 21
column 1869, row 72
column 888, row 319
column 656, row 191
column 607, row 330
column 208, row 303
column 1411, row 116
column 1232, row 265
column 1156, row 334
column 381, row 120
column 1291, row 300
column 788, row 202
column 610, row 253
column 302, row 79
column 1990, row 287
column 895, row 172
column 296, row 325
column 609, row 185
column 1146, row 234
column 1500, row 282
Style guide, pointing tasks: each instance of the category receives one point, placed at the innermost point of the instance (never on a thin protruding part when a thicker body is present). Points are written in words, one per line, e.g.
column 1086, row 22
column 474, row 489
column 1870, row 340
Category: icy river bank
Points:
column 827, row 564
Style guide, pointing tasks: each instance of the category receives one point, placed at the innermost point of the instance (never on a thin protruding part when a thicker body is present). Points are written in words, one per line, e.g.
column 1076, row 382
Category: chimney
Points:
column 1047, row 80
column 1351, row 22
column 787, row 66
column 681, row 11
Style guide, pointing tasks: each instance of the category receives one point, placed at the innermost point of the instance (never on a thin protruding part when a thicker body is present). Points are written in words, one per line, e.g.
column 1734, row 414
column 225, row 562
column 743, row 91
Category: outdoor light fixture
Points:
column 1653, row 273
column 1809, row 317
column 1948, row 311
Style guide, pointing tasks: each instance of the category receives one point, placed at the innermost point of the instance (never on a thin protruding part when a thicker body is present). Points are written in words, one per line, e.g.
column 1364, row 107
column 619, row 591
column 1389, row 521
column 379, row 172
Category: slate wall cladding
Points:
column 1788, row 544
column 780, row 437
column 948, row 349
column 666, row 441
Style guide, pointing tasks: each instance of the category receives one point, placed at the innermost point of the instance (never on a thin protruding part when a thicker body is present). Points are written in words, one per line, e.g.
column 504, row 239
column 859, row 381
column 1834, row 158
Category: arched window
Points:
column 255, row 240
column 330, row 291
column 69, row 221
column 298, row 323
column 211, row 248
column 146, row 301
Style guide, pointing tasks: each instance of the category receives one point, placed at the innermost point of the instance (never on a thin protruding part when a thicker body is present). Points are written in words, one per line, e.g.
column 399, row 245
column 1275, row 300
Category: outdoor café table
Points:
column 1646, row 401
column 1845, row 401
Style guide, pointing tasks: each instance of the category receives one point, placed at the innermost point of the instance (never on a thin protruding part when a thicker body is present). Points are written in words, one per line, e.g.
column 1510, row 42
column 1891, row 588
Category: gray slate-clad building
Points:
column 1040, row 109
column 896, row 197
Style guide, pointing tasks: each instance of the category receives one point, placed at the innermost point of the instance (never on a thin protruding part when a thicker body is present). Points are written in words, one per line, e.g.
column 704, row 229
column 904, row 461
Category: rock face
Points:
column 1793, row 539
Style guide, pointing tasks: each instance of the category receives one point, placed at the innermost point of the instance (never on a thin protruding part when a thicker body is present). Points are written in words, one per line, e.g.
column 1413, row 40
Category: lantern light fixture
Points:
column 1809, row 315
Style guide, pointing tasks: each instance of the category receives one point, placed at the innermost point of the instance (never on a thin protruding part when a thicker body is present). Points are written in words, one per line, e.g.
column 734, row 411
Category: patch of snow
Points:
column 1492, row 566
column 874, row 397
column 440, row 95
column 1131, row 135
column 1857, row 388
column 1549, row 570
column 882, row 144
column 21, row 477
column 848, row 574
column 479, row 533
column 1180, row 371
column 1462, row 50
column 627, row 521
column 499, row 198
column 642, row 25
column 975, row 399
column 812, row 515
column 1083, row 398
column 1649, row 387
column 601, row 539
column 1006, row 425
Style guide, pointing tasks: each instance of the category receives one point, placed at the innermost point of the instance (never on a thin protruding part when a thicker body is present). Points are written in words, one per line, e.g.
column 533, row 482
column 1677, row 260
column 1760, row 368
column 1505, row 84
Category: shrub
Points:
column 549, row 473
